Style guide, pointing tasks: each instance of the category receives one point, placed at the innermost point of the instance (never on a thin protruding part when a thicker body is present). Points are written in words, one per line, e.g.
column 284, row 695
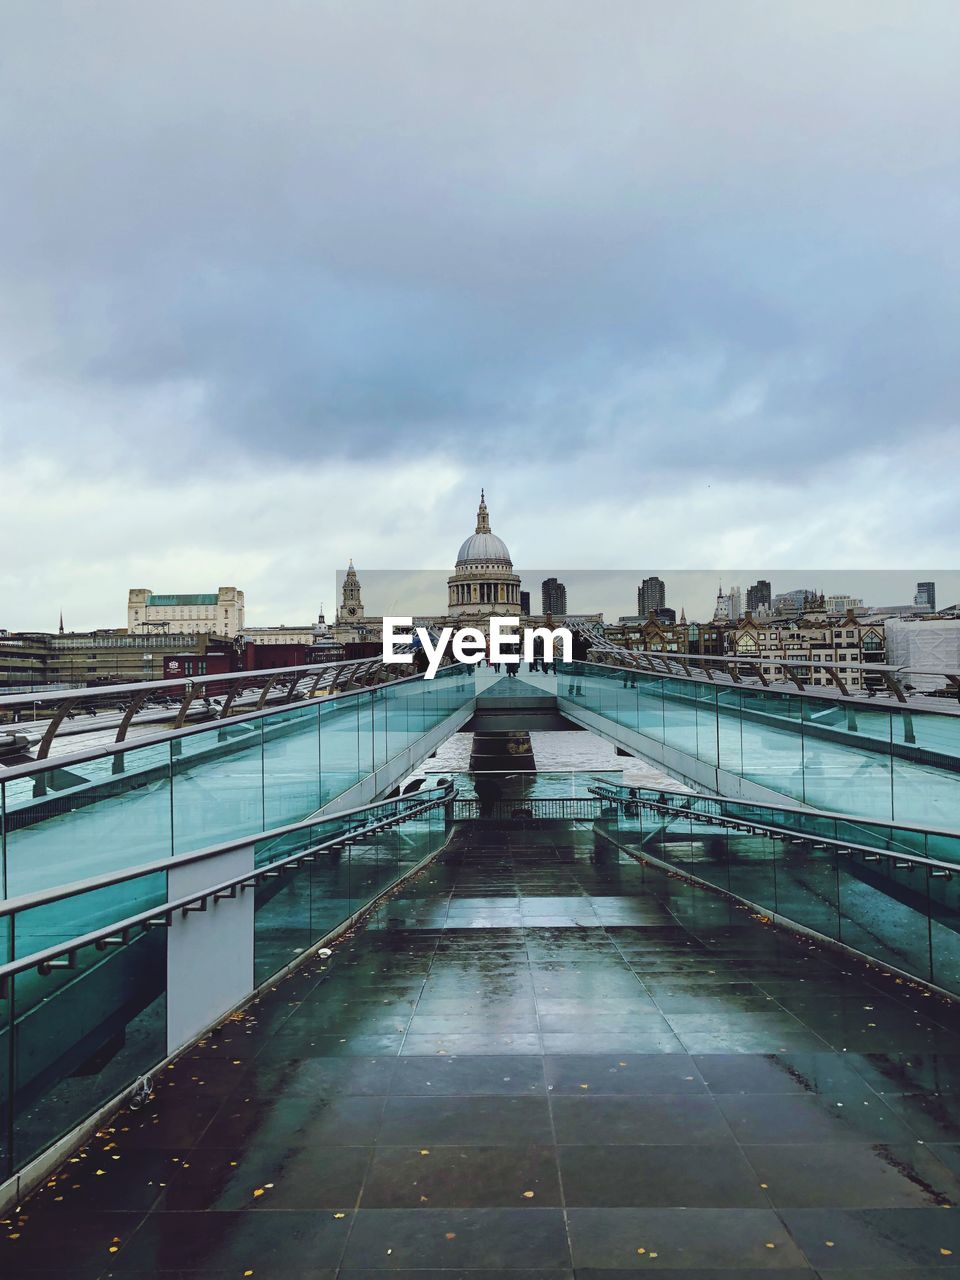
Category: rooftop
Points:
column 209, row 597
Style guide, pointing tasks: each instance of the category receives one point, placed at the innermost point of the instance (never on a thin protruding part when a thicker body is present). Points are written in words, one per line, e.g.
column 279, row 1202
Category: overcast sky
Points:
column 286, row 282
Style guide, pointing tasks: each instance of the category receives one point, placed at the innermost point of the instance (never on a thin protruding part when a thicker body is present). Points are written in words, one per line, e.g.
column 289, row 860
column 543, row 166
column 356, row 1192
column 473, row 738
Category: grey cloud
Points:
column 371, row 228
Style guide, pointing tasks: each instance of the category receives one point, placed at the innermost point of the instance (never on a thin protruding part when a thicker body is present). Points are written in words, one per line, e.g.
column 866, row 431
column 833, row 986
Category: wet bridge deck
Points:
column 541, row 1060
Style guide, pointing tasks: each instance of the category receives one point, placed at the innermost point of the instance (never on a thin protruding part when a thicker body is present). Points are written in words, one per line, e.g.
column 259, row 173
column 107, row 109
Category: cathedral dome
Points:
column 483, row 547
column 483, row 582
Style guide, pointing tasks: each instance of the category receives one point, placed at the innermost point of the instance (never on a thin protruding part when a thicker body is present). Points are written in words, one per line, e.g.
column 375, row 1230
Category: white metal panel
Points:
column 209, row 953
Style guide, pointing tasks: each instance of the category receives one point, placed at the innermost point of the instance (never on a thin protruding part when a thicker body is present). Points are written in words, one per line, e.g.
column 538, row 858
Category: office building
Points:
column 759, row 596
column 926, row 597
column 553, row 597
column 651, row 596
column 218, row 613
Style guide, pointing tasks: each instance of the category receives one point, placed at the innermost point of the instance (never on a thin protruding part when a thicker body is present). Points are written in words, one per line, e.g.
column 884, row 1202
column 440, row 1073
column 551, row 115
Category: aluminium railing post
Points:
column 931, row 969
column 316, row 714
column 170, row 788
column 11, row 1063
column 263, row 778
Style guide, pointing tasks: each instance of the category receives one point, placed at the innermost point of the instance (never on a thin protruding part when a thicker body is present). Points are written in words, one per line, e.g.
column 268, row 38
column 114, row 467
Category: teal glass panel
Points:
column 680, row 715
column 618, row 696
column 812, row 749
column 395, row 719
column 388, row 858
column 218, row 784
column 410, row 698
column 86, row 1041
column 6, row 1041
column 879, row 835
column 752, row 868
column 329, row 892
column 273, row 848
column 944, row 845
column 366, row 749
column 945, row 932
column 418, row 838
column 68, row 824
column 441, row 693
column 339, row 747
column 434, row 701
column 729, row 732
column 839, row 765
column 650, row 707
column 772, row 741
column 705, row 696
column 364, row 870
column 4, row 892
column 926, row 773
column 281, row 922
column 53, row 923
column 885, row 913
column 694, row 847
column 807, row 886
column 418, row 721
column 380, row 703
column 291, row 765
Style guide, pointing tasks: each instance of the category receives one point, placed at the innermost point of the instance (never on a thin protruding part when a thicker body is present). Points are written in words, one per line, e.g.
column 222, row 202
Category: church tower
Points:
column 351, row 606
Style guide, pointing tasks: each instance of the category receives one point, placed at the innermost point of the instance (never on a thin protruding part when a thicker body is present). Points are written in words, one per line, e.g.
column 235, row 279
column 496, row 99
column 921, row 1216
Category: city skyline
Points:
column 612, row 592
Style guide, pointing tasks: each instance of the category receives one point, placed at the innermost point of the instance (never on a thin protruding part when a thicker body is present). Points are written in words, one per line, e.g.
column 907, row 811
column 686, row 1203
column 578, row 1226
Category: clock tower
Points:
column 351, row 607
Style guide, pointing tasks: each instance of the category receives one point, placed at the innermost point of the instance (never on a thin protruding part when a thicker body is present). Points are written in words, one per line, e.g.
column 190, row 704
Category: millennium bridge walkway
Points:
column 521, row 1023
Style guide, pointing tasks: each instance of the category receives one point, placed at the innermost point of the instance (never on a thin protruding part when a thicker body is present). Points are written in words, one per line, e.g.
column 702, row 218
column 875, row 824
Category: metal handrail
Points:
column 117, row 933
column 177, row 682
column 891, row 674
column 43, row 897
column 842, row 846
column 152, row 740
column 805, row 811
